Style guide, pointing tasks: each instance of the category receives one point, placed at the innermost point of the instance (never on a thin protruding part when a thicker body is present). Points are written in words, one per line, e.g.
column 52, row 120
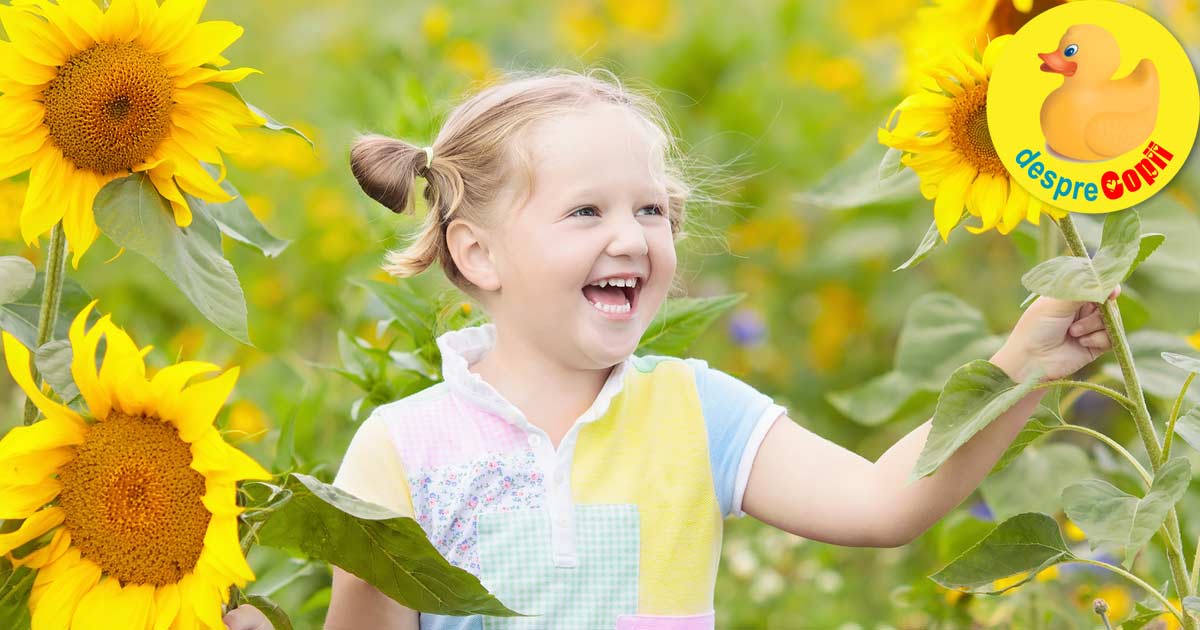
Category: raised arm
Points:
column 804, row 484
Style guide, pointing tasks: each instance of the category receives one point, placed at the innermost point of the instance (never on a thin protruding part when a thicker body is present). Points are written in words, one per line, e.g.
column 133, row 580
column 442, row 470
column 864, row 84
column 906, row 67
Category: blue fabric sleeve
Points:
column 737, row 417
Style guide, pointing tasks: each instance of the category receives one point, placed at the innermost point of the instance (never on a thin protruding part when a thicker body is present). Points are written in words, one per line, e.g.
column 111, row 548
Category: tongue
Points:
column 606, row 295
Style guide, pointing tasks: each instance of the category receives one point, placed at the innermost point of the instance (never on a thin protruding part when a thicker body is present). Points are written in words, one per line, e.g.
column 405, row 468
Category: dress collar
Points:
column 460, row 348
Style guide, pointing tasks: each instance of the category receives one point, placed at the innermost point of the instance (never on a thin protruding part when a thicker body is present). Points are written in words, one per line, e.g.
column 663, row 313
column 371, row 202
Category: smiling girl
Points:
column 580, row 482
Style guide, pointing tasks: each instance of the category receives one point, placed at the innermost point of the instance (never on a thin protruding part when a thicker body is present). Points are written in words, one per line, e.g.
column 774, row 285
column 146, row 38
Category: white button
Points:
column 534, row 440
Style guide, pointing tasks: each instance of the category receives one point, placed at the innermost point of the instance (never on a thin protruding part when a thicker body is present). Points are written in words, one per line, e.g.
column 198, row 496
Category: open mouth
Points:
column 618, row 302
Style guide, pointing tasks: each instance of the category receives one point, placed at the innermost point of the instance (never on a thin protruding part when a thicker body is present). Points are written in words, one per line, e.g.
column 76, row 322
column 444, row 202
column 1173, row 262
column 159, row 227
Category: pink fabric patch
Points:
column 702, row 621
column 439, row 430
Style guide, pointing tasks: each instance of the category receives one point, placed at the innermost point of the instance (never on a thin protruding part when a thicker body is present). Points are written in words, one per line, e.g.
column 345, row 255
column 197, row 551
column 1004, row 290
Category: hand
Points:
column 246, row 617
column 1060, row 335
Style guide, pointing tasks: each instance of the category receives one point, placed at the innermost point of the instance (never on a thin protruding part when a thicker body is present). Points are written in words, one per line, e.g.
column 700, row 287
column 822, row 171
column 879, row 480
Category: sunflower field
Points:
column 195, row 321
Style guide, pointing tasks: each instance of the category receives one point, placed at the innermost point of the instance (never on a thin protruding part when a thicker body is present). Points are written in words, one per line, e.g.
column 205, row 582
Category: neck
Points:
column 550, row 394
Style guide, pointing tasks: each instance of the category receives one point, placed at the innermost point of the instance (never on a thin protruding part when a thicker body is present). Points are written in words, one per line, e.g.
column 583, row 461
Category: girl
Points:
column 579, row 482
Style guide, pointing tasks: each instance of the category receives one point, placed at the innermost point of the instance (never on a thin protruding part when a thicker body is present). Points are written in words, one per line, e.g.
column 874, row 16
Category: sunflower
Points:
column 943, row 131
column 140, row 496
column 90, row 96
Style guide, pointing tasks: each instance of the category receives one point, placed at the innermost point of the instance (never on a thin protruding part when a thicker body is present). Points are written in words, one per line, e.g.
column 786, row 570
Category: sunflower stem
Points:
column 1111, row 316
column 56, row 260
column 1047, row 246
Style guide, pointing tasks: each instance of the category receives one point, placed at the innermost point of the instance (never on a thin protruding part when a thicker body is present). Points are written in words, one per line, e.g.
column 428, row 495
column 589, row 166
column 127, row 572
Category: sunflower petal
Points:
column 123, row 371
column 83, row 362
column 45, row 179
column 121, row 22
column 36, row 525
column 169, row 381
column 202, row 600
column 19, row 116
column 99, row 607
column 30, row 468
column 1014, row 210
column 202, row 44
column 44, row 555
column 17, row 358
column 223, row 552
column 21, row 501
column 34, row 38
column 215, row 458
column 139, row 604
column 197, row 406
column 79, row 224
column 166, row 604
column 948, row 207
column 196, row 75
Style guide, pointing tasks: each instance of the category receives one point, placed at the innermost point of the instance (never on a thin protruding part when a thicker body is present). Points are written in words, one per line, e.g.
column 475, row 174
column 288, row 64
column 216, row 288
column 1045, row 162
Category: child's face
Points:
column 590, row 216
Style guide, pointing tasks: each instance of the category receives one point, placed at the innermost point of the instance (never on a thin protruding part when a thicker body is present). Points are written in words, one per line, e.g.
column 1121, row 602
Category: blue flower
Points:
column 981, row 511
column 746, row 327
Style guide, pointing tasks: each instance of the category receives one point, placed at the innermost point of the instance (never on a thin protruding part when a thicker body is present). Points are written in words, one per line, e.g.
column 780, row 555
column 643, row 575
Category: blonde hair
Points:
column 474, row 155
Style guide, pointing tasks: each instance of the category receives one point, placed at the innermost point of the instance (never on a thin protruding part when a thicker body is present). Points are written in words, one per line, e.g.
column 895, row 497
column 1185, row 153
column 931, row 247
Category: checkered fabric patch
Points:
column 516, row 564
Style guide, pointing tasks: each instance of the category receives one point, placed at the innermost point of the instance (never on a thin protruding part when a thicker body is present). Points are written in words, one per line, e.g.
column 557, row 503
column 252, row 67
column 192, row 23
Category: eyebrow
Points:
column 585, row 192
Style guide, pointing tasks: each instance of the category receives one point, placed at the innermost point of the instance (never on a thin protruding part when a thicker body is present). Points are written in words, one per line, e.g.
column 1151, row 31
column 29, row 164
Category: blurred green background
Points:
column 775, row 94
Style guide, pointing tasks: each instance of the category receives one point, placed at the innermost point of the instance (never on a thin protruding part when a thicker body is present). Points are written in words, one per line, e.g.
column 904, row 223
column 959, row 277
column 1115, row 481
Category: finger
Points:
column 1088, row 324
column 1115, row 292
column 243, row 618
column 1098, row 340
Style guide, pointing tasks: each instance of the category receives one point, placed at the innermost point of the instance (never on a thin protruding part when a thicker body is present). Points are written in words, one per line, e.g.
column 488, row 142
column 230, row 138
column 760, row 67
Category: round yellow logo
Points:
column 1093, row 106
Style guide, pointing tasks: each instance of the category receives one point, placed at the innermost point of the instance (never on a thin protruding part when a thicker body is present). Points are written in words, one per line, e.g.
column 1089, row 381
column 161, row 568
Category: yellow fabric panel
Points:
column 651, row 449
column 372, row 470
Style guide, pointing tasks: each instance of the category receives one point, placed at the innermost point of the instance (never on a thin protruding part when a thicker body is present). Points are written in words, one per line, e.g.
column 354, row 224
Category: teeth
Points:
column 609, row 308
column 617, row 282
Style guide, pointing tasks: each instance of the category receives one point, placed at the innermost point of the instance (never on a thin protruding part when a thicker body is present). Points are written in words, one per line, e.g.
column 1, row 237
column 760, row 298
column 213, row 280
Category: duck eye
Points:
column 1070, row 51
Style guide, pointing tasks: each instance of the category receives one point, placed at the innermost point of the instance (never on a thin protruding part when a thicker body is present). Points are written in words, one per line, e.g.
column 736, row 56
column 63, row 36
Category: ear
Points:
column 472, row 254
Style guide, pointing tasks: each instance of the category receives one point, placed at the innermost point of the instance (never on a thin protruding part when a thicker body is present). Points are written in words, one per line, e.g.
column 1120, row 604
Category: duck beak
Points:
column 1055, row 62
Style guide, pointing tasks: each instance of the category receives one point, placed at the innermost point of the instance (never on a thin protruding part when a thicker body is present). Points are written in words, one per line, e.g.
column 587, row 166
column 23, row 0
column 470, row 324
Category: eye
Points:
column 576, row 213
column 655, row 208
column 1070, row 51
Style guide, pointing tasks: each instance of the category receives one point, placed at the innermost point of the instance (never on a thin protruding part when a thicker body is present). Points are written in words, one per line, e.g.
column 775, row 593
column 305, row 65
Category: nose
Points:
column 628, row 238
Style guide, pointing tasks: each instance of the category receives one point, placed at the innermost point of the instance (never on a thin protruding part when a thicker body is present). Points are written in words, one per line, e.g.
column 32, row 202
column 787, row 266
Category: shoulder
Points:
column 398, row 413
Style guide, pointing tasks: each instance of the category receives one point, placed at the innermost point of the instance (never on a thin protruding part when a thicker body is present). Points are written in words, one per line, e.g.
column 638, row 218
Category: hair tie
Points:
column 428, row 159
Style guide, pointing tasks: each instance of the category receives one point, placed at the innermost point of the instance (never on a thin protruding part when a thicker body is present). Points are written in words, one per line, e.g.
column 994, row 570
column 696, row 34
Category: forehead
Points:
column 601, row 143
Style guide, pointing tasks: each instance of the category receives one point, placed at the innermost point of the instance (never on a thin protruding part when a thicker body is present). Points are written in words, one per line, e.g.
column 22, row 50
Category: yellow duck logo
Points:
column 1093, row 116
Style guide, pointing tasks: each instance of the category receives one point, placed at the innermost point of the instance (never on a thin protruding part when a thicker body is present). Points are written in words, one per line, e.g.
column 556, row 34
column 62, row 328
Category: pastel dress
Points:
column 619, row 527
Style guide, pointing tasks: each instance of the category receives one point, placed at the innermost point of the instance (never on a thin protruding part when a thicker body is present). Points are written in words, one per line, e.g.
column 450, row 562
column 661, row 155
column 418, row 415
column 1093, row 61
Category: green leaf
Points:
column 16, row 278
column 278, row 618
column 131, row 213
column 1107, row 514
column 389, row 551
column 20, row 318
column 1032, row 430
column 681, row 320
column 976, row 394
column 925, row 248
column 413, row 312
column 1146, row 246
column 1028, row 542
column 1079, row 278
column 1055, row 466
column 54, row 363
column 862, row 179
column 1191, row 604
column 15, row 586
column 1159, row 378
column 941, row 333
column 1187, row 427
column 271, row 123
column 235, row 219
column 875, row 401
column 1182, row 361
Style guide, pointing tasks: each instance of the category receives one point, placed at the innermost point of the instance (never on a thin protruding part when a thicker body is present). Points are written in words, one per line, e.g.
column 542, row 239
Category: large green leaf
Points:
column 16, row 278
column 1159, row 378
column 1146, row 246
column 1055, row 466
column 131, row 212
column 925, row 248
column 875, row 401
column 1079, row 278
column 270, row 123
column 941, row 333
column 1187, row 426
column 1032, row 430
column 868, row 176
column 1027, row 542
column 20, row 318
column 389, row 551
column 681, row 320
column 1182, row 361
column 1107, row 514
column 236, row 220
column 976, row 394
